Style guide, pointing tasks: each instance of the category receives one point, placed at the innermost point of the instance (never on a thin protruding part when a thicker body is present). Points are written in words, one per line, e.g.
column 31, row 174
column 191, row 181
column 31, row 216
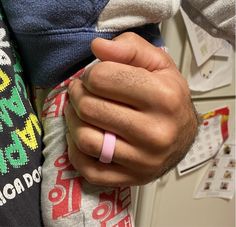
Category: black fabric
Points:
column 20, row 144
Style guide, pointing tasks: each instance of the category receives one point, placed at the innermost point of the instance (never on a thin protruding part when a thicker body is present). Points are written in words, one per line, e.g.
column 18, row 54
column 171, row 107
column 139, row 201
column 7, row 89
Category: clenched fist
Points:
column 137, row 93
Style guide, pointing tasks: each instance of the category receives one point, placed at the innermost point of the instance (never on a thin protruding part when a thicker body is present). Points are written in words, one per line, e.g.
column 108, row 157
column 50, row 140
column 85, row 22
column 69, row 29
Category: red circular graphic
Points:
column 62, row 161
column 102, row 211
column 57, row 194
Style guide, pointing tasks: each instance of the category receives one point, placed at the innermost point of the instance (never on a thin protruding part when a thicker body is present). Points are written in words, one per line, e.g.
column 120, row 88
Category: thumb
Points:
column 129, row 48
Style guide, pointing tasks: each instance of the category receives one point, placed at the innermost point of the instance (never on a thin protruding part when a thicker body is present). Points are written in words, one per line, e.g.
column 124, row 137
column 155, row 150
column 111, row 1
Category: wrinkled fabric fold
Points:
column 215, row 16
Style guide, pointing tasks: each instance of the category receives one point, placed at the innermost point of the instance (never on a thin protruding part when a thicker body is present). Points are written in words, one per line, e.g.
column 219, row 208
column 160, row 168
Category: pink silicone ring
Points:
column 108, row 147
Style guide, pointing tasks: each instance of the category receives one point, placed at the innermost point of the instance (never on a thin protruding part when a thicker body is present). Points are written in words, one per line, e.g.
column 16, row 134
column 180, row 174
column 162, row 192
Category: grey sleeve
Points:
column 217, row 17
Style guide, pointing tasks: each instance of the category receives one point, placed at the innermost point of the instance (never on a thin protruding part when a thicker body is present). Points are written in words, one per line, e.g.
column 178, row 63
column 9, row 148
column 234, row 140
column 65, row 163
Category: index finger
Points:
column 121, row 83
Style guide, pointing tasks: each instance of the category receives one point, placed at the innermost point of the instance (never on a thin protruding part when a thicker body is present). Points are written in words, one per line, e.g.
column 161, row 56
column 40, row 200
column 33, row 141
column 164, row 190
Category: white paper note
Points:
column 216, row 72
column 204, row 45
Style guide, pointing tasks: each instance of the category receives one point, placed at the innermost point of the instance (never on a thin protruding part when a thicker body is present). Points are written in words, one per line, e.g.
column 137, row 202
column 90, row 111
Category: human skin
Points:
column 136, row 92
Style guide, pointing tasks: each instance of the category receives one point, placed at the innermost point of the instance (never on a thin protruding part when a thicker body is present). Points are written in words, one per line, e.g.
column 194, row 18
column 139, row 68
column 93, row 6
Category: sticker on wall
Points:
column 213, row 132
column 219, row 179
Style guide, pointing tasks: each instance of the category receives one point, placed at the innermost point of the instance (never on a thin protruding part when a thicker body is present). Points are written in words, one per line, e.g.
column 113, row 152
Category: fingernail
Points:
column 87, row 70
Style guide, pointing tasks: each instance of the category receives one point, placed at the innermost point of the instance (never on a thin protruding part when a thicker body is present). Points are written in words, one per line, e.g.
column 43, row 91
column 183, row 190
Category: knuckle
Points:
column 73, row 90
column 97, row 75
column 176, row 102
column 86, row 143
column 91, row 177
column 168, row 136
column 86, row 108
column 150, row 167
column 155, row 166
column 163, row 135
column 172, row 97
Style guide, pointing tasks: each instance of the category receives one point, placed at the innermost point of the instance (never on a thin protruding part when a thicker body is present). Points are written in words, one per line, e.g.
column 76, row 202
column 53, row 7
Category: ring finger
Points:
column 89, row 140
column 99, row 173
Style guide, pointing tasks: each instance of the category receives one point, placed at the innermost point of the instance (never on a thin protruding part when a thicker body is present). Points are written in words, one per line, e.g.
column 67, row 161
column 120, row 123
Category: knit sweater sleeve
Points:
column 215, row 16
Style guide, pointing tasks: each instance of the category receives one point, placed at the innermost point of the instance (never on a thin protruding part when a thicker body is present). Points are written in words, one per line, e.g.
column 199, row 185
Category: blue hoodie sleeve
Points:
column 54, row 36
